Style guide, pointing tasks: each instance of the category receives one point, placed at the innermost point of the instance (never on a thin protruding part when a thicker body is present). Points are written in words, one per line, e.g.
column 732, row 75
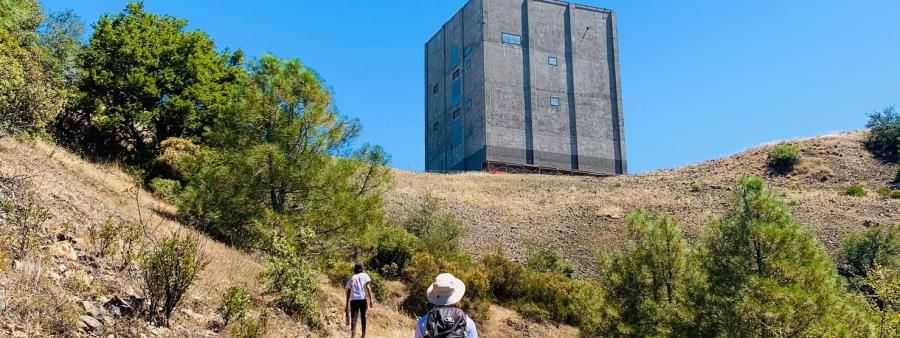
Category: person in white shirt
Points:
column 445, row 319
column 359, row 299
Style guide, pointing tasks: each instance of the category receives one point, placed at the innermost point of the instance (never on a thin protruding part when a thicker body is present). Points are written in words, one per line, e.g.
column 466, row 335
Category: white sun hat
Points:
column 446, row 290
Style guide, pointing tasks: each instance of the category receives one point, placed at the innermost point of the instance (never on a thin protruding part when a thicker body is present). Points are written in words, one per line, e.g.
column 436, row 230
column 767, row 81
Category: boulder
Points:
column 63, row 250
column 93, row 325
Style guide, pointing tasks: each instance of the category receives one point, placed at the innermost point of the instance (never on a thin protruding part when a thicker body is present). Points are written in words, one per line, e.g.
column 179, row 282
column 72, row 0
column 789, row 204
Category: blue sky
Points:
column 700, row 78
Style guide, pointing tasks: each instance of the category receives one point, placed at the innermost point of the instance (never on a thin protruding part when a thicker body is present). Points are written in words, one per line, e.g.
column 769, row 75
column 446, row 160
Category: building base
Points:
column 495, row 167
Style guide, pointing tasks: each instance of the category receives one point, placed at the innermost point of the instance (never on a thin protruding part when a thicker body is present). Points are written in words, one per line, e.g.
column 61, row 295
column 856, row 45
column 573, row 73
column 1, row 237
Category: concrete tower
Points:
column 525, row 86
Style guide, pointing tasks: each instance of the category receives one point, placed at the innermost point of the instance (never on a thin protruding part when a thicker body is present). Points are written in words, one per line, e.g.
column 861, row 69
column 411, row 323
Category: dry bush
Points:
column 35, row 301
column 21, row 211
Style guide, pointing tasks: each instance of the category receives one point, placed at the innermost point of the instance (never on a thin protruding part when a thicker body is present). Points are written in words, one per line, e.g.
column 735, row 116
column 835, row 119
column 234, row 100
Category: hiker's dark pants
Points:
column 358, row 307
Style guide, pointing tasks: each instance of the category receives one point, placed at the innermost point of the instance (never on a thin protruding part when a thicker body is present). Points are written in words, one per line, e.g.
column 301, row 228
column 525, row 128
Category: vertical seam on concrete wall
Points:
column 462, row 84
column 444, row 86
column 526, row 79
column 484, row 92
column 428, row 99
column 613, row 61
column 570, row 87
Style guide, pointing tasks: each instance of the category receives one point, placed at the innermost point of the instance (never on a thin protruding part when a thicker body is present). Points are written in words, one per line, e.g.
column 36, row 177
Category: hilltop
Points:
column 578, row 216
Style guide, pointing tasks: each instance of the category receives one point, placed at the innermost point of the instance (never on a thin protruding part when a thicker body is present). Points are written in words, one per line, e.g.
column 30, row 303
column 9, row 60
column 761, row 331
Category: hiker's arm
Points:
column 347, row 303
column 369, row 295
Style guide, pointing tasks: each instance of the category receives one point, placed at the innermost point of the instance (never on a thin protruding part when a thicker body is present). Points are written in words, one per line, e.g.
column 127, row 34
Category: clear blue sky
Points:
column 700, row 78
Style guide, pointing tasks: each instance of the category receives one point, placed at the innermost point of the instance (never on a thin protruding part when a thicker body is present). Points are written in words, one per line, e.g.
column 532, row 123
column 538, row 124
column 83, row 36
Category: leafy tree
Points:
column 30, row 95
column 646, row 285
column 861, row 251
column 60, row 35
column 884, row 133
column 885, row 283
column 547, row 260
column 147, row 79
column 292, row 279
column 766, row 275
column 284, row 163
column 440, row 234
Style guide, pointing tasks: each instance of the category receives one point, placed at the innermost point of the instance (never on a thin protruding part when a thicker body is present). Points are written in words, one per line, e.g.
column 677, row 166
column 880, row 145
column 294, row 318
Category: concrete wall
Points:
column 511, row 118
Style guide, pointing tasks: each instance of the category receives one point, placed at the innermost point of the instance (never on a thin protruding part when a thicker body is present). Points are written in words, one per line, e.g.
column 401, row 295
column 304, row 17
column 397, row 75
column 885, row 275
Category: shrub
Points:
column 783, row 157
column 23, row 212
column 421, row 272
column 511, row 283
column 103, row 237
column 861, row 251
column 532, row 312
column 855, row 191
column 884, row 192
column 379, row 290
column 169, row 269
column 251, row 327
column 884, row 133
column 293, row 280
column 439, row 233
column 394, row 248
column 548, row 260
column 234, row 305
column 166, row 189
column 895, row 194
column 696, row 187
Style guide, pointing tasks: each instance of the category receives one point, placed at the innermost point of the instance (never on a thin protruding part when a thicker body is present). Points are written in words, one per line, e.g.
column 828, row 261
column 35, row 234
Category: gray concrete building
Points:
column 525, row 86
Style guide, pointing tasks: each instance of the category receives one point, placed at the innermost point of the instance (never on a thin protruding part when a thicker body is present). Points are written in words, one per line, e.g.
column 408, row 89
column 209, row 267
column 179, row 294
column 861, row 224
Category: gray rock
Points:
column 93, row 325
column 90, row 309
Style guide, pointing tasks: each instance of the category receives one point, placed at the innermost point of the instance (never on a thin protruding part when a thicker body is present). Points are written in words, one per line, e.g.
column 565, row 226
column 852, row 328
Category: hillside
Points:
column 63, row 280
column 579, row 215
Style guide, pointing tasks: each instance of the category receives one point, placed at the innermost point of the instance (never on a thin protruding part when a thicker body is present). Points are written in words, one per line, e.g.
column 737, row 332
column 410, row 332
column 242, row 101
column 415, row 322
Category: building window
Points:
column 552, row 61
column 456, row 74
column 455, row 92
column 435, row 127
column 467, row 51
column 434, row 89
column 468, row 63
column 468, row 104
column 511, row 39
column 554, row 101
column 454, row 57
column 456, row 113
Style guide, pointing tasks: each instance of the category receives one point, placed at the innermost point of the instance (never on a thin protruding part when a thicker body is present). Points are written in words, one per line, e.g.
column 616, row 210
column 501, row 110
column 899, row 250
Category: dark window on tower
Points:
column 467, row 51
column 511, row 39
column 434, row 89
column 456, row 113
column 552, row 61
column 468, row 63
column 435, row 127
column 454, row 57
column 455, row 74
column 554, row 101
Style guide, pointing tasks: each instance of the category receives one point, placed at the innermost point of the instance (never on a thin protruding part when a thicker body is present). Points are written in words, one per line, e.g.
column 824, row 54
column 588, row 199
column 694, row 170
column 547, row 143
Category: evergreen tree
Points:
column 645, row 286
column 284, row 163
column 766, row 275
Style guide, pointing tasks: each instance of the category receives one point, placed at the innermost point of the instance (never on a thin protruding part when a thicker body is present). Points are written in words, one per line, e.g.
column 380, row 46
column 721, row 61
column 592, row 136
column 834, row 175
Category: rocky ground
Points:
column 578, row 216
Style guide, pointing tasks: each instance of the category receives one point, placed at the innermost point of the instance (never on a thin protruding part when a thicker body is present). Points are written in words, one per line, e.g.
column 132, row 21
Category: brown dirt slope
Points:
column 580, row 215
column 78, row 194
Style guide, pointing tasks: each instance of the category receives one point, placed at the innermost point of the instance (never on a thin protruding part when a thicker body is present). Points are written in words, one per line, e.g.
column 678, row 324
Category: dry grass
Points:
column 580, row 215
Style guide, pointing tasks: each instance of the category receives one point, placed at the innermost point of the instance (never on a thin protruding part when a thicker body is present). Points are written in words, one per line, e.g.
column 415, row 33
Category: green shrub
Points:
column 234, row 305
column 855, row 191
column 337, row 271
column 379, row 290
column 439, row 234
column 293, row 281
column 884, row 192
column 532, row 312
column 166, row 189
column 895, row 194
column 511, row 283
column 394, row 248
column 103, row 237
column 422, row 270
column 169, row 269
column 783, row 157
column 548, row 260
column 884, row 133
column 696, row 187
column 861, row 251
column 251, row 327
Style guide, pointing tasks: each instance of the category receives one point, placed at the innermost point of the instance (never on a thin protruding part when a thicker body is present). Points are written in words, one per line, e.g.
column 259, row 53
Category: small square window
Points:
column 511, row 39
column 552, row 61
column 468, row 63
column 455, row 74
column 467, row 51
column 554, row 101
column 435, row 127
column 456, row 114
column 434, row 89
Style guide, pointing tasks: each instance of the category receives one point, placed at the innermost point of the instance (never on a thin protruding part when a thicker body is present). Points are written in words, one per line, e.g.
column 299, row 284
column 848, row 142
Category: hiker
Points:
column 446, row 320
column 359, row 299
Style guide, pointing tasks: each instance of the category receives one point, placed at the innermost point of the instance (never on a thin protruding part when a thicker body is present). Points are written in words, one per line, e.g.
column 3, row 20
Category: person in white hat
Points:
column 446, row 320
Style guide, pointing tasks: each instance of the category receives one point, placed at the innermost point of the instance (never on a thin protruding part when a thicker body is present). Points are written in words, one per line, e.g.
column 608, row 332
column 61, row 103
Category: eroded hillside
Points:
column 579, row 215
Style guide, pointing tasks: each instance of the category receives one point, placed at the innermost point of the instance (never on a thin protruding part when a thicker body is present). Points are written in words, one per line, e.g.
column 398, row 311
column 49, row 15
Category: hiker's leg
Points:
column 362, row 312
column 354, row 314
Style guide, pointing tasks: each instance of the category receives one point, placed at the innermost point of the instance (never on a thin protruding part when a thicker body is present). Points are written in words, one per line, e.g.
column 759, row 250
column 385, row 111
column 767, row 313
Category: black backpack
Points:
column 445, row 322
